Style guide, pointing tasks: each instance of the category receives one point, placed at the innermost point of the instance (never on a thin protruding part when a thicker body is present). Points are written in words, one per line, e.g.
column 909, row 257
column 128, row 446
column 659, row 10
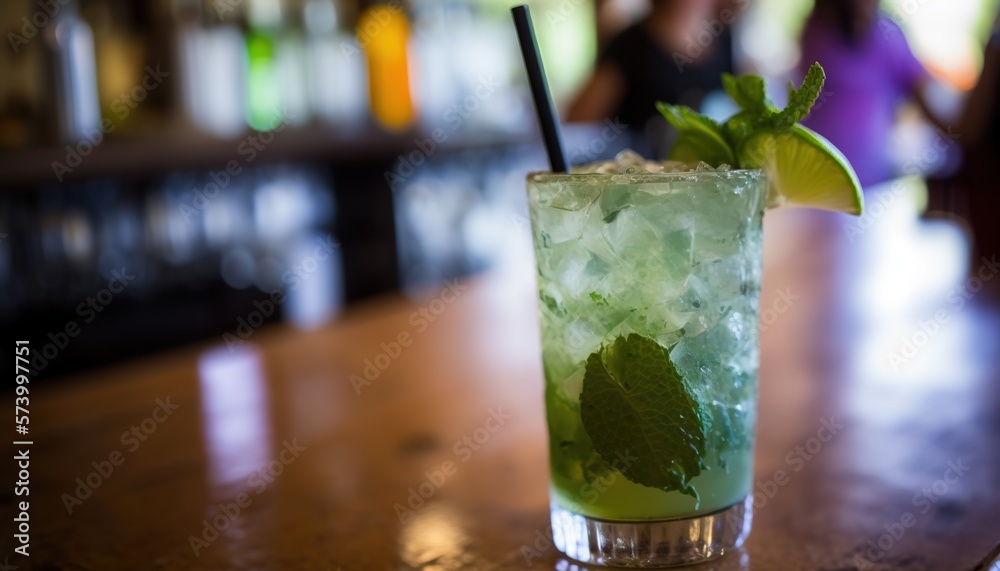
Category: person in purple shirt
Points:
column 870, row 70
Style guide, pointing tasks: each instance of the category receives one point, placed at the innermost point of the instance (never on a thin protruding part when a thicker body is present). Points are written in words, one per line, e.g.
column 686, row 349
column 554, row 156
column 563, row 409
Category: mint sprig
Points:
column 634, row 399
column 801, row 100
column 703, row 139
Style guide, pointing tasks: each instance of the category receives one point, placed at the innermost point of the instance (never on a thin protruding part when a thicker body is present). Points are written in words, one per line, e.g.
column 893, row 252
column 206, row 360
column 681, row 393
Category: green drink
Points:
column 657, row 271
column 648, row 290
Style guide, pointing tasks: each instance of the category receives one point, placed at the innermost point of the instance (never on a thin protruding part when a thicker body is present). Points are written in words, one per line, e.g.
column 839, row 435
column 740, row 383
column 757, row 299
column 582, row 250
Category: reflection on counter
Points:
column 235, row 407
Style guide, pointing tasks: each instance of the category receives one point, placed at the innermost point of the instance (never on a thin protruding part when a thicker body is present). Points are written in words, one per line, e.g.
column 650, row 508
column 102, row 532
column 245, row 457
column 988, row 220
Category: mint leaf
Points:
column 553, row 304
column 694, row 149
column 701, row 139
column 598, row 299
column 614, row 199
column 739, row 128
column 634, row 399
column 749, row 92
column 686, row 119
column 801, row 100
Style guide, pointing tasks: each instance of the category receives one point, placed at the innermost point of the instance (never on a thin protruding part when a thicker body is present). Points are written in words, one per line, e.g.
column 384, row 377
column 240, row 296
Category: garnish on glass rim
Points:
column 803, row 168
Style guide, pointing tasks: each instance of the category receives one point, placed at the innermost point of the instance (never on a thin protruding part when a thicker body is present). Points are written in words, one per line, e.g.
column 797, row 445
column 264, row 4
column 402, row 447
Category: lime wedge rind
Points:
column 803, row 169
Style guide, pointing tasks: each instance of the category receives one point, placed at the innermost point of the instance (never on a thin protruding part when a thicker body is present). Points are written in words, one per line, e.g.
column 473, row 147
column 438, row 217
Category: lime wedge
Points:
column 803, row 169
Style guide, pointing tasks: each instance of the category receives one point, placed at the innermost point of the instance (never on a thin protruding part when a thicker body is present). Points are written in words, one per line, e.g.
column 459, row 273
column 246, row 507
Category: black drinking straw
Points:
column 547, row 118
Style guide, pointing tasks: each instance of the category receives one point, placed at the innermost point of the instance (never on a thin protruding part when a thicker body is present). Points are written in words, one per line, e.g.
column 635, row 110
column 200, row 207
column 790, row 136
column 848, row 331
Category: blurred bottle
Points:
column 72, row 75
column 121, row 57
column 290, row 57
column 263, row 86
column 384, row 34
column 484, row 58
column 22, row 93
column 337, row 79
column 435, row 28
column 210, row 53
column 475, row 58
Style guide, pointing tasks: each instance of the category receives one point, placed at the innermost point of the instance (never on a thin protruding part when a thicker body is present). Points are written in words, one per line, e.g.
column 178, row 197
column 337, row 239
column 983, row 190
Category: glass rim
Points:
column 549, row 176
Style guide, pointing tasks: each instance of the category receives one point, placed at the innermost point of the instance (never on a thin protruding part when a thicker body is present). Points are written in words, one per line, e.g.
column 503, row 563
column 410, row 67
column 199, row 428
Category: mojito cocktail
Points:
column 648, row 286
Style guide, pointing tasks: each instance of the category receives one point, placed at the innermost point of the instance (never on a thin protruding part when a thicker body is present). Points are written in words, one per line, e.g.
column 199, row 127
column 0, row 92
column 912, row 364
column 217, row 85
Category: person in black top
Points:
column 980, row 138
column 676, row 54
column 980, row 123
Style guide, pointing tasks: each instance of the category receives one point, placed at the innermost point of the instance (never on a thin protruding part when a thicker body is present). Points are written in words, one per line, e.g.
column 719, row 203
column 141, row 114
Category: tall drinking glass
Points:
column 648, row 286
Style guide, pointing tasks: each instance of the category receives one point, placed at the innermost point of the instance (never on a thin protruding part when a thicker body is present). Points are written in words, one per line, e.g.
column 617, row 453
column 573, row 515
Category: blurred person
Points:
column 676, row 54
column 980, row 124
column 980, row 128
column 870, row 71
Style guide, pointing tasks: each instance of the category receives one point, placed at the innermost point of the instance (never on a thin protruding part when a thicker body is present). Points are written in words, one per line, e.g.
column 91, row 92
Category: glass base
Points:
column 665, row 543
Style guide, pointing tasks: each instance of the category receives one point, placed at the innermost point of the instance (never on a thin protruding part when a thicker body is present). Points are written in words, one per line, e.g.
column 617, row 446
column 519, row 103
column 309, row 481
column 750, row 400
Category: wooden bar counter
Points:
column 410, row 434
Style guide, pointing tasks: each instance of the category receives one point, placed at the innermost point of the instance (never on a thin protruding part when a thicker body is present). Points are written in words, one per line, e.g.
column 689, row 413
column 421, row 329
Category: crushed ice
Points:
column 631, row 162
